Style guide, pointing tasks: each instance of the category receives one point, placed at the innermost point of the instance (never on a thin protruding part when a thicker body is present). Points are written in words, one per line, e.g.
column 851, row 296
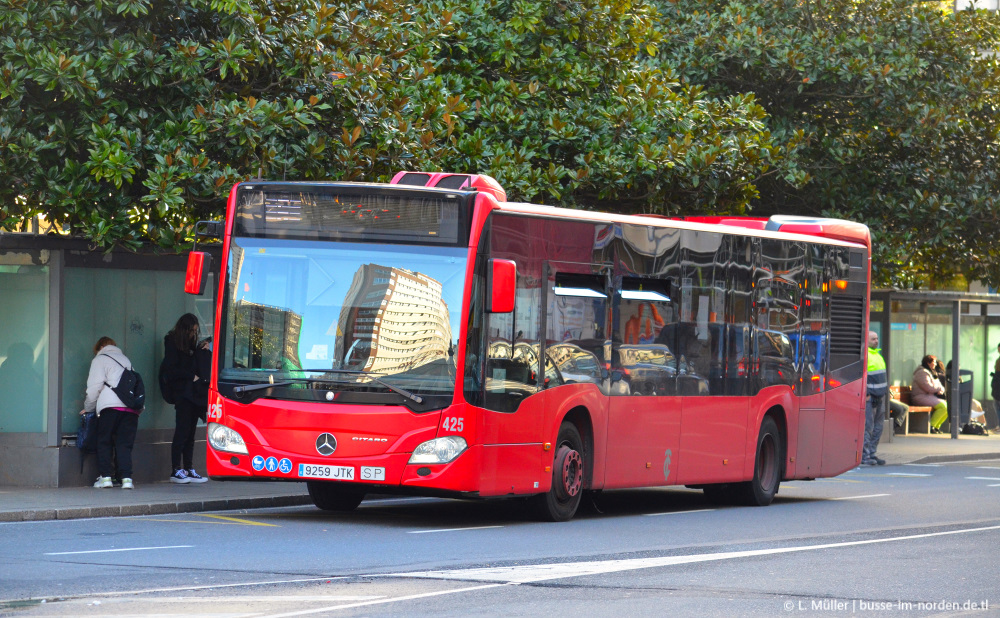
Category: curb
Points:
column 954, row 458
column 159, row 508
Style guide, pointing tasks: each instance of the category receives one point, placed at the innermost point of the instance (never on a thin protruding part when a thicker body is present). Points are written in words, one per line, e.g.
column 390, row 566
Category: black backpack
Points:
column 166, row 389
column 972, row 428
column 130, row 388
column 995, row 385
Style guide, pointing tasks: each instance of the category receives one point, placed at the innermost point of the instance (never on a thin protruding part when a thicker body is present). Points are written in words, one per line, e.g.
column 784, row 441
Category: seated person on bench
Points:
column 927, row 390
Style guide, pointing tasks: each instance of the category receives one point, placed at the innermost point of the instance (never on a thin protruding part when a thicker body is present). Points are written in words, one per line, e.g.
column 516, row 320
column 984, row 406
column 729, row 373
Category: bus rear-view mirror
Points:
column 502, row 283
column 198, row 267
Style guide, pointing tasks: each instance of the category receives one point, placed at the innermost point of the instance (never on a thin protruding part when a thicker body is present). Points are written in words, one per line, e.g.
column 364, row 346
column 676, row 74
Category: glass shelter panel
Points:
column 24, row 347
column 136, row 308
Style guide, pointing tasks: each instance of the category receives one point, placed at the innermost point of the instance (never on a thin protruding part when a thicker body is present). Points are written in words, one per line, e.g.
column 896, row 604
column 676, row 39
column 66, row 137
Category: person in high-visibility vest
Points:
column 878, row 386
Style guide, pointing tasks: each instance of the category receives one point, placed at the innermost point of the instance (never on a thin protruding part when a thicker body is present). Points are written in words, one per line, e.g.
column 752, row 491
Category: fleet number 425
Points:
column 453, row 423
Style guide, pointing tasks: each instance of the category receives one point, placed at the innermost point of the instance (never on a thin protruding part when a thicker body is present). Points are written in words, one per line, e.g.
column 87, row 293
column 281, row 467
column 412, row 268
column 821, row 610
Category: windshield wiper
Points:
column 246, row 388
column 399, row 391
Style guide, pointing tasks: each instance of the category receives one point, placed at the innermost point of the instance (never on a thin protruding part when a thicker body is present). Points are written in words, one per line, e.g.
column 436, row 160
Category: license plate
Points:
column 370, row 473
column 333, row 473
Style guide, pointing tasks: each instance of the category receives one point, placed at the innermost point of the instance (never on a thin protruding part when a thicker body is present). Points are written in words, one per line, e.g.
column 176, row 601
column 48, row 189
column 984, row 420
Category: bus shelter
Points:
column 949, row 325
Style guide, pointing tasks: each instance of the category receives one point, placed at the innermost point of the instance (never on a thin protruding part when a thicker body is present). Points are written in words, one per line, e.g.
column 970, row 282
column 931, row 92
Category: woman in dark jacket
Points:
column 189, row 392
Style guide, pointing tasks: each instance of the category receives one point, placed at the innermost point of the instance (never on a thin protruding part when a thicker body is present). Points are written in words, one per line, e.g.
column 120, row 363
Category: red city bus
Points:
column 428, row 337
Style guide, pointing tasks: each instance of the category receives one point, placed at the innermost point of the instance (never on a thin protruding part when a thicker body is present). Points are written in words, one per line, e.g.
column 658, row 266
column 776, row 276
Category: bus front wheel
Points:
column 568, row 471
column 331, row 496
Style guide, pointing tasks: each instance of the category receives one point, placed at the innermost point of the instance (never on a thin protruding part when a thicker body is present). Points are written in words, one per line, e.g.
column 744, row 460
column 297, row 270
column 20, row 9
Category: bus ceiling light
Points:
column 645, row 295
column 224, row 439
column 439, row 450
column 585, row 292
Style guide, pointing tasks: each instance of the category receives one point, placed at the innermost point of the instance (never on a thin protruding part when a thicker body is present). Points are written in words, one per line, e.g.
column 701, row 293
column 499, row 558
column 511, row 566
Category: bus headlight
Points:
column 223, row 438
column 439, row 450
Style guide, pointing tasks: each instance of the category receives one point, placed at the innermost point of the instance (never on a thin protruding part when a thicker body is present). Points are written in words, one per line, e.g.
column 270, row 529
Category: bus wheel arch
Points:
column 580, row 418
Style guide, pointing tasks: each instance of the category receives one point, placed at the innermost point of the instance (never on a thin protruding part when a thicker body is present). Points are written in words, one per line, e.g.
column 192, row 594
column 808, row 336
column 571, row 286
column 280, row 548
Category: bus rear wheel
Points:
column 767, row 467
column 568, row 471
column 331, row 496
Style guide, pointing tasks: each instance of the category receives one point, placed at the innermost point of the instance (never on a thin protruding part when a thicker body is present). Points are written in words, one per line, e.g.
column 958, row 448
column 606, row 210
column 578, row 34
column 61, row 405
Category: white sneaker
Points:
column 127, row 484
column 103, row 482
column 180, row 476
column 194, row 477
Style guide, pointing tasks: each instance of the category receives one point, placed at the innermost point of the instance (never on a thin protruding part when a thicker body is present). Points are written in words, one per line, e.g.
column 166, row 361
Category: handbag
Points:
column 86, row 437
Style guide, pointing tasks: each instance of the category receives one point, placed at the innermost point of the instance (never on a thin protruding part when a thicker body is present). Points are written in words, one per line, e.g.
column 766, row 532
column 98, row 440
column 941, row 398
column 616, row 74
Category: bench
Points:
column 919, row 417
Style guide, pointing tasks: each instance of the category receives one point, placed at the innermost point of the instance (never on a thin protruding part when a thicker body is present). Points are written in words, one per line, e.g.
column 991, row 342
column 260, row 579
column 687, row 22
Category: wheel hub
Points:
column 571, row 472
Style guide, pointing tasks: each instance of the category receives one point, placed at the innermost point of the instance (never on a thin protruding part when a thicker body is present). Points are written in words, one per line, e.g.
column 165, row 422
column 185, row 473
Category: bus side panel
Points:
column 512, row 469
column 806, row 459
column 713, row 440
column 643, row 442
column 780, row 397
column 844, row 428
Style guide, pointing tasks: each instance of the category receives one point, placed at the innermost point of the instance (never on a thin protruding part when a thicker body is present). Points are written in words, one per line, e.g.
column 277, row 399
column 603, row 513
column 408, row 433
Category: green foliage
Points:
column 886, row 112
column 127, row 121
column 563, row 104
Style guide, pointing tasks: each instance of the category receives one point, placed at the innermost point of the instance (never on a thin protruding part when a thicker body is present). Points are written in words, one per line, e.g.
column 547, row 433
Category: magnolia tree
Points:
column 886, row 112
column 125, row 122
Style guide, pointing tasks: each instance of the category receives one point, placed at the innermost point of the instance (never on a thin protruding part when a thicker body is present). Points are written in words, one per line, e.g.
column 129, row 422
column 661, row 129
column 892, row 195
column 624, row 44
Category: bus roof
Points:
column 816, row 227
column 778, row 226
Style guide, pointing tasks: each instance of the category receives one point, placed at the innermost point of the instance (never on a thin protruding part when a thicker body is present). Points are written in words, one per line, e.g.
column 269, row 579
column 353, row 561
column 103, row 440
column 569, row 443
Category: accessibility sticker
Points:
column 285, row 465
column 257, row 463
column 271, row 464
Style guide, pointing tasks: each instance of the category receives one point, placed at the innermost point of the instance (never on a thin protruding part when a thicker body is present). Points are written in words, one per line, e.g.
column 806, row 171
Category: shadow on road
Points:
column 393, row 511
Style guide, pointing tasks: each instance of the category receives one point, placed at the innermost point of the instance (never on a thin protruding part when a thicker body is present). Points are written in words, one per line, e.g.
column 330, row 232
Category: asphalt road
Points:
column 893, row 540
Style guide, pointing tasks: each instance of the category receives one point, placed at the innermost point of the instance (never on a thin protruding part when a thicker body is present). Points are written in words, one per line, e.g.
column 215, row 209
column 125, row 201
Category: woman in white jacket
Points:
column 116, row 423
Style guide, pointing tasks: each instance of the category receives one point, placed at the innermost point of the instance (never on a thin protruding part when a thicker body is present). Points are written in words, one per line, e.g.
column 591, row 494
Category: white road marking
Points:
column 410, row 597
column 679, row 512
column 982, row 478
column 278, row 598
column 997, row 485
column 923, row 465
column 987, row 468
column 190, row 588
column 860, row 497
column 451, row 529
column 544, row 572
column 907, row 474
column 105, row 551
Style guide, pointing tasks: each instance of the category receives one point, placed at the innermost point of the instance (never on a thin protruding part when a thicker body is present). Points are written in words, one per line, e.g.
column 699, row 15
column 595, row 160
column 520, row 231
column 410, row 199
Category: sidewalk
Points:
column 35, row 504
column 40, row 503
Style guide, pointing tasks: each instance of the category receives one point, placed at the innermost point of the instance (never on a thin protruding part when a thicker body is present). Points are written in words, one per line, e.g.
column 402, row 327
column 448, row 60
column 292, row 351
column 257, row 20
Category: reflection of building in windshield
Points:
column 266, row 337
column 392, row 320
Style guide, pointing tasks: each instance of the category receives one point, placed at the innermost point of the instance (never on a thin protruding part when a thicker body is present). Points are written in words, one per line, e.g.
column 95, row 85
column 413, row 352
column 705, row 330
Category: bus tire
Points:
column 561, row 502
column 331, row 496
column 767, row 467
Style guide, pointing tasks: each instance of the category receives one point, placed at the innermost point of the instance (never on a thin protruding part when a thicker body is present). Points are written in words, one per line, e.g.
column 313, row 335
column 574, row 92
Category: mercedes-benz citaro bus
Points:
column 429, row 337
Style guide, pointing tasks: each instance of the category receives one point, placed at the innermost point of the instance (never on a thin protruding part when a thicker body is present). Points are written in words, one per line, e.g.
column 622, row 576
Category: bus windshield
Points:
column 374, row 317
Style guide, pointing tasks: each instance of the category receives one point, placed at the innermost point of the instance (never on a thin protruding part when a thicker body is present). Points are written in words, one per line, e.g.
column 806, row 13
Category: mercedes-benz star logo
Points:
column 326, row 444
